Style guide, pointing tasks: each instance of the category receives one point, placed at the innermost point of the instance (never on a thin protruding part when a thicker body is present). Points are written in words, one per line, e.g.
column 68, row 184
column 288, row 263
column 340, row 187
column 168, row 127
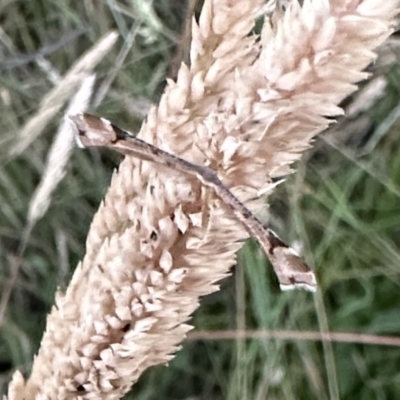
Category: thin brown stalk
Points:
column 340, row 337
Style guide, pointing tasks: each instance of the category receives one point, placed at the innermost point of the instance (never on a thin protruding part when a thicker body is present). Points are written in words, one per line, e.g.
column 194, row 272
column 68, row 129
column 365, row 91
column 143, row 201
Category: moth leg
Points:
column 207, row 199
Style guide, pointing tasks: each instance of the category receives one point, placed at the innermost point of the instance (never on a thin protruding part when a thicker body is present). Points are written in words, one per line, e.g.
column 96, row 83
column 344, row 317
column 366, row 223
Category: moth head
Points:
column 93, row 131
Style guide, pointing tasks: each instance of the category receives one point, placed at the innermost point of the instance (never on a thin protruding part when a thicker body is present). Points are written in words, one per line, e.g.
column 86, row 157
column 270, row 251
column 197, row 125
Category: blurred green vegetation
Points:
column 342, row 206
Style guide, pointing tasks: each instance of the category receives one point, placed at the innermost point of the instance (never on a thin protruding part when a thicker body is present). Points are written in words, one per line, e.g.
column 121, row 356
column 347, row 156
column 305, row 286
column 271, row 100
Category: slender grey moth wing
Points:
column 292, row 271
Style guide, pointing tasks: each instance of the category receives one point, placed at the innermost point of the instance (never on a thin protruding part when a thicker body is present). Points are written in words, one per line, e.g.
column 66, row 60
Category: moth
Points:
column 291, row 270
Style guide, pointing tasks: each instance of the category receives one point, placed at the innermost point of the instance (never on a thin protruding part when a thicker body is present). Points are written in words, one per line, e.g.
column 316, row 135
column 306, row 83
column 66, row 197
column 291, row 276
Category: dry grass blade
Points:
column 59, row 153
column 57, row 97
column 58, row 157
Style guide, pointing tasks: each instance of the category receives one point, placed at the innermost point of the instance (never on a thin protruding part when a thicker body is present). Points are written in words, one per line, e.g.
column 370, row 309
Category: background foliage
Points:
column 342, row 208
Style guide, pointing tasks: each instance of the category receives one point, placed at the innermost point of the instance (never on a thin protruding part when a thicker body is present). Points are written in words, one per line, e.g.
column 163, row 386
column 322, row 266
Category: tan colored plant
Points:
column 247, row 107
